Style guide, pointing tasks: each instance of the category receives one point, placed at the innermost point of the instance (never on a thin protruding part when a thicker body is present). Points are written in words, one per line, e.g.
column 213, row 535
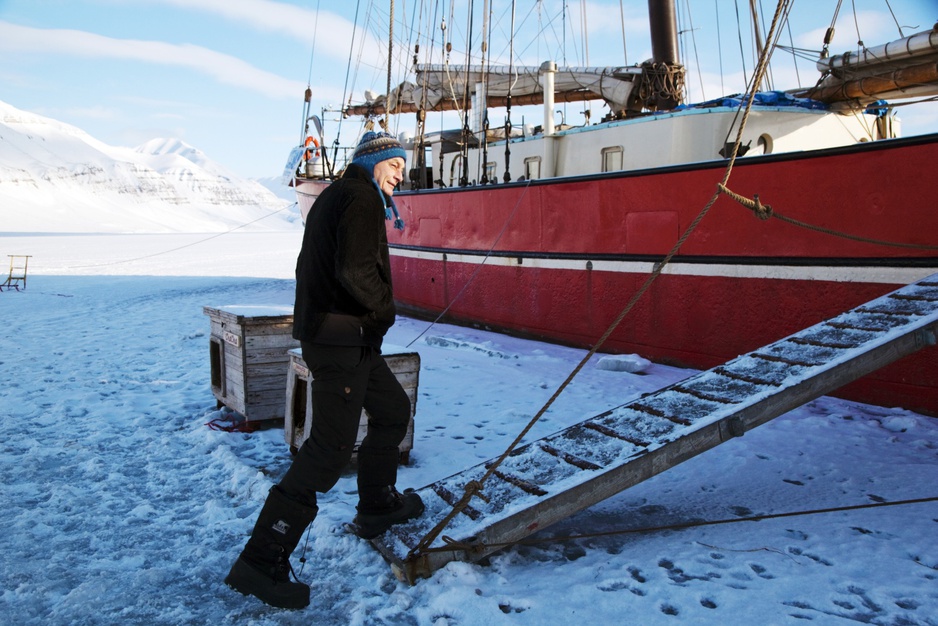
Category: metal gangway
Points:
column 550, row 479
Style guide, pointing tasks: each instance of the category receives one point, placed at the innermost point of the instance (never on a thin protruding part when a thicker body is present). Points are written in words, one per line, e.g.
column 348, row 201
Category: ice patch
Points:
column 898, row 424
column 455, row 344
column 631, row 363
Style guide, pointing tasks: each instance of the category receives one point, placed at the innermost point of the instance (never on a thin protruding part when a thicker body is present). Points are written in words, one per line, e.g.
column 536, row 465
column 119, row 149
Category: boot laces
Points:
column 283, row 568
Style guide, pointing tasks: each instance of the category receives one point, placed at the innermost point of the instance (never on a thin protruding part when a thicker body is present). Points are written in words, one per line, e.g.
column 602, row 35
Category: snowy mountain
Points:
column 55, row 177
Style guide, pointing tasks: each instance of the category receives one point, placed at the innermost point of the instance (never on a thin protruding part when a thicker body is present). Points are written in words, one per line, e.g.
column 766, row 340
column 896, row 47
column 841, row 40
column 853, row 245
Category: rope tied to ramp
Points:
column 762, row 211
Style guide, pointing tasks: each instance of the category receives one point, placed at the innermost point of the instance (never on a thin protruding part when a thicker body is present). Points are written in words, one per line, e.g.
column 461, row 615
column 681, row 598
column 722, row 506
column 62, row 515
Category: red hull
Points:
column 566, row 255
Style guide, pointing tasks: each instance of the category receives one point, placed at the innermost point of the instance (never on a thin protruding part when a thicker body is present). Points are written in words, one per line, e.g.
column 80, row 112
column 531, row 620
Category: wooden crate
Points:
column 248, row 349
column 299, row 408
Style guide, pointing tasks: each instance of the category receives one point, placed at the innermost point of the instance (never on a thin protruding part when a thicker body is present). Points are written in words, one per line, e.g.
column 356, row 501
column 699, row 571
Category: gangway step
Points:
column 550, row 479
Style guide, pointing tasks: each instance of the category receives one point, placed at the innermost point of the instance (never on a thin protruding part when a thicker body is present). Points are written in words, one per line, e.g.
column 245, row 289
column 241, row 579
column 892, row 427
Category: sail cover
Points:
column 437, row 85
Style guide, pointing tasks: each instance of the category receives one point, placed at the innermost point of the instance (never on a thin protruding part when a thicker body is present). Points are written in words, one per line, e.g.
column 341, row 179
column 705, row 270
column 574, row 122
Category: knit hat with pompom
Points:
column 375, row 147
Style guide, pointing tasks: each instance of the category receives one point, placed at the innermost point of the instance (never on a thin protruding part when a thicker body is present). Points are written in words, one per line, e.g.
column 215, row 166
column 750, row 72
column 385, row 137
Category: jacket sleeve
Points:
column 359, row 265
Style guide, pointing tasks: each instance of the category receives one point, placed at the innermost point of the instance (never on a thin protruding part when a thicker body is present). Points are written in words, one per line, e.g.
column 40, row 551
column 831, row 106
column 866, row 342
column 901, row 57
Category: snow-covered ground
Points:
column 120, row 506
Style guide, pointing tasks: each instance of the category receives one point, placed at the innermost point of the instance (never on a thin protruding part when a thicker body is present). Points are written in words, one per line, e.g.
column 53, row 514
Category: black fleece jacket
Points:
column 343, row 272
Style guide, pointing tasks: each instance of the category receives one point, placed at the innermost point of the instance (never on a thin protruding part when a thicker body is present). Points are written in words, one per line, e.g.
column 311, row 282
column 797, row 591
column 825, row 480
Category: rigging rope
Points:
column 387, row 96
column 478, row 269
column 625, row 50
column 188, row 245
column 312, row 52
column 474, row 488
column 511, row 60
column 346, row 89
column 486, row 36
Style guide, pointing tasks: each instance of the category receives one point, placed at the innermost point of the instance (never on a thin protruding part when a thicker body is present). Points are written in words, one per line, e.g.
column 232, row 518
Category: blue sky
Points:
column 228, row 76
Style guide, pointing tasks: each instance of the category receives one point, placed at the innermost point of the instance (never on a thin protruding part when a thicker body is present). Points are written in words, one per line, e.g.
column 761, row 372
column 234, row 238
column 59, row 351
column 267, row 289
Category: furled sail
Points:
column 450, row 87
column 903, row 68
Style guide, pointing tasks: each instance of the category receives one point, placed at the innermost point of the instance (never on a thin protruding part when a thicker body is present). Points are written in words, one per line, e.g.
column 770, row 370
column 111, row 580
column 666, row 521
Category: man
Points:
column 344, row 306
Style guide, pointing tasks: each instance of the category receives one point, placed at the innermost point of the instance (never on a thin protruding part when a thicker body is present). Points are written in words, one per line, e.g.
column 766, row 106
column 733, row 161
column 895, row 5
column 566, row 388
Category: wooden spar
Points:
column 550, row 479
column 870, row 88
column 884, row 71
column 448, row 104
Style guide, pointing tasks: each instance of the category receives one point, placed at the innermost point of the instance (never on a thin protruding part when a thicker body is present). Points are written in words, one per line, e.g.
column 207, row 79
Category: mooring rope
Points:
column 188, row 245
column 452, row 544
column 474, row 488
column 765, row 211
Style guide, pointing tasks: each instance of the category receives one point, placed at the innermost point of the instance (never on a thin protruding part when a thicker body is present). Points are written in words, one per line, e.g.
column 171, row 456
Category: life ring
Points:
column 311, row 153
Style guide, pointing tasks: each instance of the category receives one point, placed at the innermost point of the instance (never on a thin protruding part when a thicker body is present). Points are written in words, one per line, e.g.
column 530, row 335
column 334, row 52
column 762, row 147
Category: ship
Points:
column 687, row 233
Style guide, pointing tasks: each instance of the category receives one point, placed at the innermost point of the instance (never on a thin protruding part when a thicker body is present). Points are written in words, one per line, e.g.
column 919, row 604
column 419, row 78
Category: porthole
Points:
column 765, row 142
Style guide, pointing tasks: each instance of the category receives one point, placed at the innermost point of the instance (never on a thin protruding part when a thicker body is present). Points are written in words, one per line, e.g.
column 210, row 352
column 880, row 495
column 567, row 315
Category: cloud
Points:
column 224, row 68
column 333, row 32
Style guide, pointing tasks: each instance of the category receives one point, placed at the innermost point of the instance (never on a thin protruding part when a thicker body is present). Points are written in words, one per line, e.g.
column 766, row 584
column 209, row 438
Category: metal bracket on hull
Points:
column 550, row 479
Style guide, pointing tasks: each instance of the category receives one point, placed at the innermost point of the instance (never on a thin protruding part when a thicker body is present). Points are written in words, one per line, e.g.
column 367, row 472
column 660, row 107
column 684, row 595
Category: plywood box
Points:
column 248, row 350
column 299, row 407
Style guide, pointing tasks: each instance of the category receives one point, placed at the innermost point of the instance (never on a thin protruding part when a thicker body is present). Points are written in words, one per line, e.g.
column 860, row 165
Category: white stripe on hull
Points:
column 867, row 274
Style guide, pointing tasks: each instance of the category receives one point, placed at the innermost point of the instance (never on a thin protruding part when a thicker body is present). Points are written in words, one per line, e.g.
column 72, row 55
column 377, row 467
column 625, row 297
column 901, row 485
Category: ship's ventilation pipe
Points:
column 662, row 18
column 548, row 69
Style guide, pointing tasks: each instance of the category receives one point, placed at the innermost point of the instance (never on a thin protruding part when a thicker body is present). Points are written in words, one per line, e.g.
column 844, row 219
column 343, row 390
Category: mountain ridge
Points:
column 55, row 177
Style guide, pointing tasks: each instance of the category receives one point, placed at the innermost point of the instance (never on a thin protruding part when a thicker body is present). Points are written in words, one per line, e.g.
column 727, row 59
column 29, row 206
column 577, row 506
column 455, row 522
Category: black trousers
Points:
column 345, row 380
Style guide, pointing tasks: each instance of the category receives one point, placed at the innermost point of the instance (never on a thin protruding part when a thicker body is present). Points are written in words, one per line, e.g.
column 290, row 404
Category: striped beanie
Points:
column 376, row 147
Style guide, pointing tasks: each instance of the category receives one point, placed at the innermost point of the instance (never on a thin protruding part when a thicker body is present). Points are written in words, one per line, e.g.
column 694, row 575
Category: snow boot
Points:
column 263, row 568
column 380, row 505
column 377, row 468
column 393, row 507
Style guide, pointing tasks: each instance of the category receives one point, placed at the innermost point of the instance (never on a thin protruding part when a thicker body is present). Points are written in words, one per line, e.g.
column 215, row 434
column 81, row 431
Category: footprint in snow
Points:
column 813, row 557
column 708, row 603
column 506, row 608
column 679, row 577
column 669, row 609
column 637, row 574
column 907, row 604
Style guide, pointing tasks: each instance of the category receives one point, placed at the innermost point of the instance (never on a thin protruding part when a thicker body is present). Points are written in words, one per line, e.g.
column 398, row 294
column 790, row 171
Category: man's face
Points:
column 389, row 173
